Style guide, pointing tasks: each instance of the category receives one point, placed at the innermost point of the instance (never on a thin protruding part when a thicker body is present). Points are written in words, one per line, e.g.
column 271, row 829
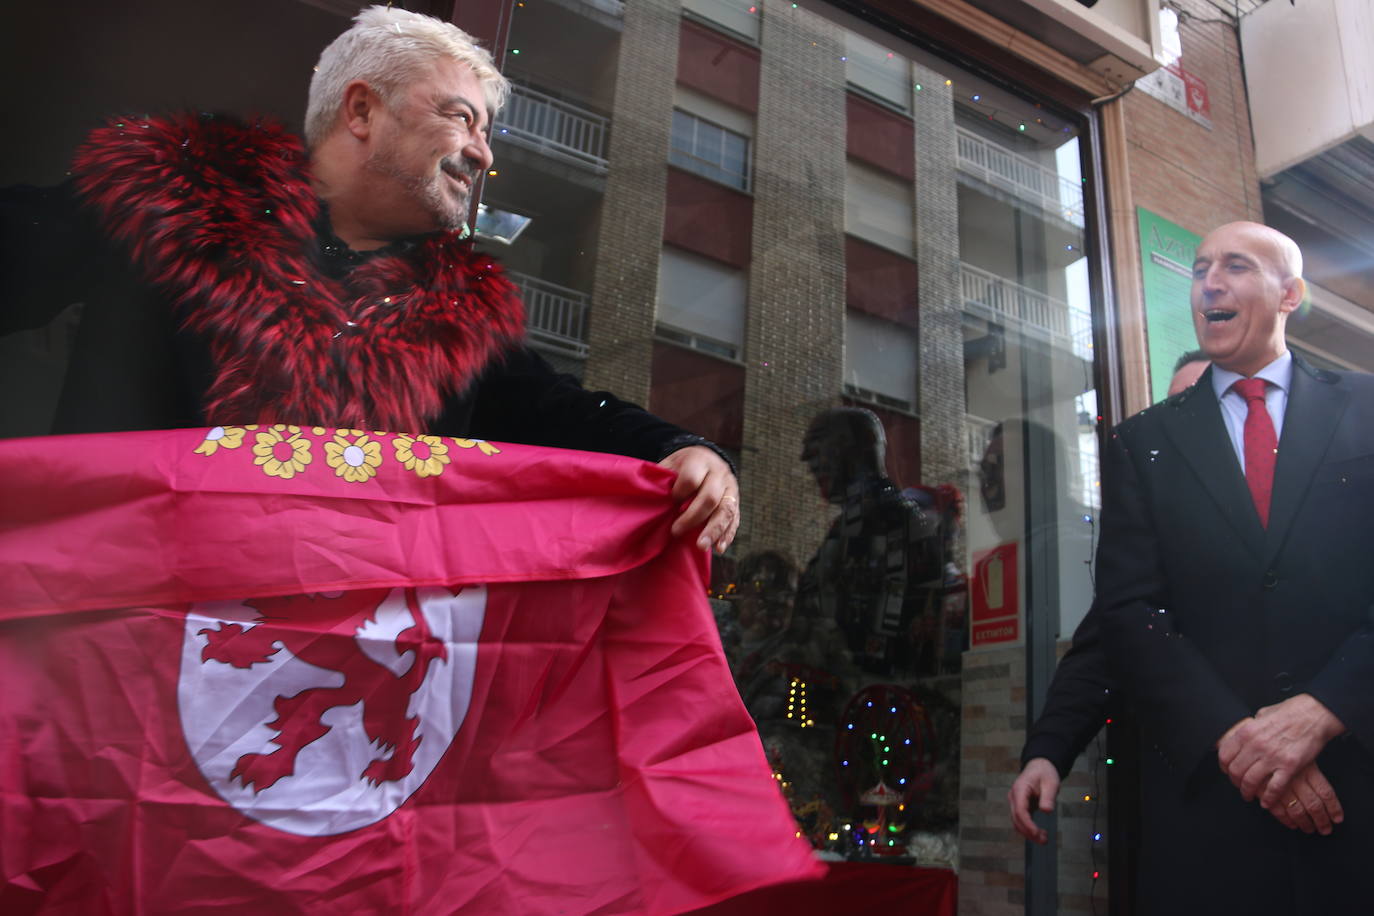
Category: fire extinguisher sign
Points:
column 996, row 606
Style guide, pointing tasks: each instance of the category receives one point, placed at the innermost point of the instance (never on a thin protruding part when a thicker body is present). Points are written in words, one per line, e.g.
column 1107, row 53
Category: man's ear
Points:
column 1294, row 294
column 360, row 106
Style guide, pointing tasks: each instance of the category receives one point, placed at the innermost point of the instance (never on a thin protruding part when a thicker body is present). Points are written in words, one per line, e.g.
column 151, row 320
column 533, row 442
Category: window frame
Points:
column 711, row 171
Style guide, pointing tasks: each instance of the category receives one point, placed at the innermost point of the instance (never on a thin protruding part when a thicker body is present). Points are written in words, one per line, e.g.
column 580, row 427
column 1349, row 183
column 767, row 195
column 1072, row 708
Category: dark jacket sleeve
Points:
column 48, row 250
column 1077, row 703
column 520, row 398
column 1345, row 685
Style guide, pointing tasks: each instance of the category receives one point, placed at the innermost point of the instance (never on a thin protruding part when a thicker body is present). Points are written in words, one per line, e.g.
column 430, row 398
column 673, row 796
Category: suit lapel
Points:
column 1195, row 425
column 1315, row 407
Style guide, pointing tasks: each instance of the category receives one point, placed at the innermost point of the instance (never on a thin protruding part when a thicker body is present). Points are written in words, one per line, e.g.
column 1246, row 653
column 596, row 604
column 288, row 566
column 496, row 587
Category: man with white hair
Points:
column 232, row 275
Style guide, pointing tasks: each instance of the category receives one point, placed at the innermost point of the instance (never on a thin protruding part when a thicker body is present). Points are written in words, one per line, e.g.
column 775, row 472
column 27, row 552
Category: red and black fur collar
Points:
column 220, row 216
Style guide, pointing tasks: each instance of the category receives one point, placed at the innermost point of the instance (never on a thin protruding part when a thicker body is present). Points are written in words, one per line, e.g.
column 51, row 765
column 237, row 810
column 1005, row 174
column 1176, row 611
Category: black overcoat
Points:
column 1207, row 616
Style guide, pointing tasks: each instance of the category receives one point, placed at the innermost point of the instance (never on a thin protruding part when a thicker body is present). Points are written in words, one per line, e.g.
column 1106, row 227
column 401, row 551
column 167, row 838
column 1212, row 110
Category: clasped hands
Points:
column 1272, row 757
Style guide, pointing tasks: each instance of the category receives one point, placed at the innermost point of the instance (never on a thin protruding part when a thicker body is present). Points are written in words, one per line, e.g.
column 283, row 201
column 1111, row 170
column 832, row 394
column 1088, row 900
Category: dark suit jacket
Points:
column 1206, row 616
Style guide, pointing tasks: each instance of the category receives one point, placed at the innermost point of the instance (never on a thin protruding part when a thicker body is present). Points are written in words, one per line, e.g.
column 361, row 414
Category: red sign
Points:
column 985, row 634
column 996, row 596
column 994, row 584
column 1196, row 90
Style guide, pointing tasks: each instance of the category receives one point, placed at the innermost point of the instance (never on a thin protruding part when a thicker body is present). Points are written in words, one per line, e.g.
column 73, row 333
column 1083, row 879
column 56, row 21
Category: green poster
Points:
column 1166, row 259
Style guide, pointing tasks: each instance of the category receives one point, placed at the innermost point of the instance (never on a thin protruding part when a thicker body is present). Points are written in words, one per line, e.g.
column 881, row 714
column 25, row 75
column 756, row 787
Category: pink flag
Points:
column 280, row 670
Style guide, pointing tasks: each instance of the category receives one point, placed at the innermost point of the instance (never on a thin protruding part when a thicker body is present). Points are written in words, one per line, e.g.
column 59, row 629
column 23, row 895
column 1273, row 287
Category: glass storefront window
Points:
column 861, row 268
column 897, row 321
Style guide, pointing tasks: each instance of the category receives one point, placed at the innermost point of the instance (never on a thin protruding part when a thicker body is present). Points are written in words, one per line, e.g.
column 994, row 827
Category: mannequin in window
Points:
column 880, row 571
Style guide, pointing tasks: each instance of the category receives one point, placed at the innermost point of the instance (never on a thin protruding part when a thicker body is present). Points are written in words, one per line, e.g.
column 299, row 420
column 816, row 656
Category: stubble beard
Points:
column 427, row 190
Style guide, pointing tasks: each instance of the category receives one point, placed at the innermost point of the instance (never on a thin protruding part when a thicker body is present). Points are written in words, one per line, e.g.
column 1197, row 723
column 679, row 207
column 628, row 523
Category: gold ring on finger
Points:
column 1293, row 802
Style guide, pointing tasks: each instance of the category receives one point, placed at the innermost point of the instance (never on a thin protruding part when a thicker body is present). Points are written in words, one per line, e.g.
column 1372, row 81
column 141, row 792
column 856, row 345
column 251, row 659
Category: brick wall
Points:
column 1196, row 177
column 943, row 406
column 795, row 350
column 626, row 284
column 992, row 857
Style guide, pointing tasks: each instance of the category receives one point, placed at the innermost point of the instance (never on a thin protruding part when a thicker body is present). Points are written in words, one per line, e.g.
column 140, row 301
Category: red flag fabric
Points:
column 284, row 670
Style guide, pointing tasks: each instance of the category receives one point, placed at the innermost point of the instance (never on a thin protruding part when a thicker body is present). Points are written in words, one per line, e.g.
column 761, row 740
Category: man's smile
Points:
column 463, row 176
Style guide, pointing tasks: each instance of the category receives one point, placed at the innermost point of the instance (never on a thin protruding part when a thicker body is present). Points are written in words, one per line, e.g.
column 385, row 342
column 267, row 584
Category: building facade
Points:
column 750, row 215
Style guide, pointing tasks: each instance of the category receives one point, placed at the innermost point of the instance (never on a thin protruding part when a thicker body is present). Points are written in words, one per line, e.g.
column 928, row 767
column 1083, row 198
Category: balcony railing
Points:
column 555, row 316
column 999, row 299
column 554, row 127
column 1028, row 180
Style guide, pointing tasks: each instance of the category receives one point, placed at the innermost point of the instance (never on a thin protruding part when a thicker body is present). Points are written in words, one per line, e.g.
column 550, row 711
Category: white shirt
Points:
column 1279, row 375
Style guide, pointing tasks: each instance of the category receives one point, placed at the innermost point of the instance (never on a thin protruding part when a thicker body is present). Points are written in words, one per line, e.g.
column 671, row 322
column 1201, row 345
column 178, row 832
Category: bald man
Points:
column 1234, row 594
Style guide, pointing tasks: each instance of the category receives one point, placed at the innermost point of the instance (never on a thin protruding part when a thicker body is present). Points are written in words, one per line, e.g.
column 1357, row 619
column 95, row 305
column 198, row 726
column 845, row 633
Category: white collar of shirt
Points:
column 1279, row 375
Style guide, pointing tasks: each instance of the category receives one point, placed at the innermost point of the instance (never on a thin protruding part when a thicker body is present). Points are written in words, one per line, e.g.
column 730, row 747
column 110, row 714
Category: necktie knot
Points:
column 1251, row 389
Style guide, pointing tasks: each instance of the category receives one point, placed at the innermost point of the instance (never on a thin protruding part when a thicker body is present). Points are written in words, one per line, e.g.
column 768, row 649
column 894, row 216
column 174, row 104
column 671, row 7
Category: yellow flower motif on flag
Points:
column 353, row 455
column 280, row 455
column 220, row 437
column 425, row 455
column 482, row 445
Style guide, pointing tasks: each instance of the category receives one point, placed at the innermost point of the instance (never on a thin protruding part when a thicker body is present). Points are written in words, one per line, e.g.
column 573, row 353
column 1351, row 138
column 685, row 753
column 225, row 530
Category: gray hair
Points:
column 386, row 48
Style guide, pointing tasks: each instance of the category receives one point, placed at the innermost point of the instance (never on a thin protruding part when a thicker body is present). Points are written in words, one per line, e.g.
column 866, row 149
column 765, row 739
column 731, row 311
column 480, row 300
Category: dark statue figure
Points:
column 880, row 573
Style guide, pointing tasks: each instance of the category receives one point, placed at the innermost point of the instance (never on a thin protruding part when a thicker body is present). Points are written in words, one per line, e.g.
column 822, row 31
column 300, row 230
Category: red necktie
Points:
column 1261, row 445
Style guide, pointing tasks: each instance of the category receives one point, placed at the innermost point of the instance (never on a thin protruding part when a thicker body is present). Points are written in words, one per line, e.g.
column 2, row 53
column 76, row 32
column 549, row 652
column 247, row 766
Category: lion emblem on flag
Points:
column 319, row 714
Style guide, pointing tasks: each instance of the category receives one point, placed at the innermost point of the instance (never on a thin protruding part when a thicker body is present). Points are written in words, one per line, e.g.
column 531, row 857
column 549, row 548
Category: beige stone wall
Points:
column 943, row 407
column 625, row 289
column 795, row 335
column 992, row 857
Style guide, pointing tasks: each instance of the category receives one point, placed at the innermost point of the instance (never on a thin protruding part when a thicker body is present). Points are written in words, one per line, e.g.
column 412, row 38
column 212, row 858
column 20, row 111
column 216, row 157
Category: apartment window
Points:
column 880, row 361
column 877, row 71
column 878, row 208
column 739, row 16
column 710, row 150
column 701, row 303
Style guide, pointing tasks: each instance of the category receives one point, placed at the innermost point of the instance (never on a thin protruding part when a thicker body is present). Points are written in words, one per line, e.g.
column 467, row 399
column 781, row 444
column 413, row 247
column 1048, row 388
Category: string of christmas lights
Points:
column 796, row 704
column 1099, row 757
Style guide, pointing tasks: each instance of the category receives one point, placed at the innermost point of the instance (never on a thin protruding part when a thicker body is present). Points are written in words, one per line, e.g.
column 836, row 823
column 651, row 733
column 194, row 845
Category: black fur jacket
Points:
column 213, row 292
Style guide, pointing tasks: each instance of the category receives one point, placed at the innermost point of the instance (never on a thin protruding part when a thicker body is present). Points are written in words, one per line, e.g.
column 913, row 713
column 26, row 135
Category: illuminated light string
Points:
column 1100, row 757
column 1095, row 797
column 796, row 704
column 883, row 746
